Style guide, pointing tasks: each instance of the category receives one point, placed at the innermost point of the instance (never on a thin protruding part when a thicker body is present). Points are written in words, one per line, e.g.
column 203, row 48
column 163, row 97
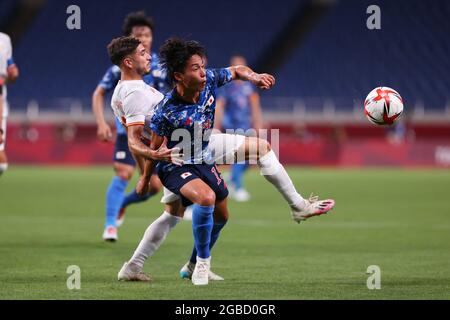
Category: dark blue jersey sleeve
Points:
column 218, row 77
column 110, row 79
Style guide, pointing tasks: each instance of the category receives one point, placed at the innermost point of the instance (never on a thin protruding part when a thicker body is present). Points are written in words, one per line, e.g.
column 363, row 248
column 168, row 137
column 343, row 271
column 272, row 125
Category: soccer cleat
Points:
column 127, row 274
column 110, row 234
column 200, row 275
column 187, row 270
column 120, row 217
column 241, row 195
column 313, row 207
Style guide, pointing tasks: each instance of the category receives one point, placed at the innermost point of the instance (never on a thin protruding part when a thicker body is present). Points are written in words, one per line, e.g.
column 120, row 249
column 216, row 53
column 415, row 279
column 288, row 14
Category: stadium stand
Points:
column 343, row 60
column 409, row 53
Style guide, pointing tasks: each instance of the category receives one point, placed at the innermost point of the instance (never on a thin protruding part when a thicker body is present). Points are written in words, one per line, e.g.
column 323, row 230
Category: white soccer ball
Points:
column 383, row 106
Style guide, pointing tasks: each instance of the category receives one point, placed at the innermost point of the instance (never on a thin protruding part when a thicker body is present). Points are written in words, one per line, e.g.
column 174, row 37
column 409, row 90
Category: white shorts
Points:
column 3, row 126
column 223, row 147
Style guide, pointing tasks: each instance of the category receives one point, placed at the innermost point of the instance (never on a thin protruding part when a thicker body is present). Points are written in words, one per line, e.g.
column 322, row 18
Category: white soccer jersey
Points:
column 133, row 100
column 5, row 61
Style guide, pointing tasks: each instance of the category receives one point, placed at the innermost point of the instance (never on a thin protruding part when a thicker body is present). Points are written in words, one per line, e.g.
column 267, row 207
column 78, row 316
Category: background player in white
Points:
column 8, row 73
column 224, row 146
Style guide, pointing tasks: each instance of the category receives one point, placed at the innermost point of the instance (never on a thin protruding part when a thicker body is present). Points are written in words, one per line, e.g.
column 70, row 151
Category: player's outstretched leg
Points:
column 133, row 197
column 220, row 219
column 274, row 172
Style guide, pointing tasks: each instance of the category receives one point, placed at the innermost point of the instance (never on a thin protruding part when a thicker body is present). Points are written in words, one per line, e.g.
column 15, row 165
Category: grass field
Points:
column 51, row 218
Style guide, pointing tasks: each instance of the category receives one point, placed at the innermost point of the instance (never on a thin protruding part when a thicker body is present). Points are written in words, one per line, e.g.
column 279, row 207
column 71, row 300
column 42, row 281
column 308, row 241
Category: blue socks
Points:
column 114, row 199
column 133, row 197
column 214, row 236
column 237, row 173
column 202, row 225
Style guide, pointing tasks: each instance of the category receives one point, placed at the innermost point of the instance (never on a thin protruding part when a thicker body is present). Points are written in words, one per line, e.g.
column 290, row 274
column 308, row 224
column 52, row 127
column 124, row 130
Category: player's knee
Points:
column 3, row 168
column 207, row 199
column 263, row 146
column 123, row 173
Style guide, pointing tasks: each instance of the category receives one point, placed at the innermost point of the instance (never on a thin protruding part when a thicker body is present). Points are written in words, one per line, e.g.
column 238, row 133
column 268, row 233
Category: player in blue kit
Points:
column 138, row 25
column 238, row 109
column 187, row 112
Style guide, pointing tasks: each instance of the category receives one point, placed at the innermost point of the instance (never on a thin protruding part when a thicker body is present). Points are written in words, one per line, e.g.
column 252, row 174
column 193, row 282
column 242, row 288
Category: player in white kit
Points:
column 8, row 73
column 132, row 102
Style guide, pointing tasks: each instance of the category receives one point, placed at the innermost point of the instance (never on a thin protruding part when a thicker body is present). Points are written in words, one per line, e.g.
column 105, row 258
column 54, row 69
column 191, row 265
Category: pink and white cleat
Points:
column 110, row 234
column 313, row 207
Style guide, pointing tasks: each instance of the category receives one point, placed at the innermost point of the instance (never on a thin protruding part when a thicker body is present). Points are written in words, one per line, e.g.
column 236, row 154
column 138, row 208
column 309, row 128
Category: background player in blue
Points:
column 238, row 108
column 138, row 25
column 190, row 107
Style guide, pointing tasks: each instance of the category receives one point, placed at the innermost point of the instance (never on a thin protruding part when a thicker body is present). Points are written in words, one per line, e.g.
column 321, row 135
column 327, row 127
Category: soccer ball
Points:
column 383, row 106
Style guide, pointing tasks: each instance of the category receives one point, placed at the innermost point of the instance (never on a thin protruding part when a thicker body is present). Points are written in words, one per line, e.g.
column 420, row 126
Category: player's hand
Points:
column 143, row 186
column 168, row 155
column 104, row 132
column 263, row 81
column 1, row 137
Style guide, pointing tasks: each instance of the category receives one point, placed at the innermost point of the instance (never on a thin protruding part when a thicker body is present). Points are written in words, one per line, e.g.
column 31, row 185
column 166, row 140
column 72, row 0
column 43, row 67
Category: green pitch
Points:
column 399, row 220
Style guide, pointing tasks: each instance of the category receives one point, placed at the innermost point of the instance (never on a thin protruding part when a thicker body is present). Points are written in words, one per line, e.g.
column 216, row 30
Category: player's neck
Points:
column 187, row 95
column 130, row 75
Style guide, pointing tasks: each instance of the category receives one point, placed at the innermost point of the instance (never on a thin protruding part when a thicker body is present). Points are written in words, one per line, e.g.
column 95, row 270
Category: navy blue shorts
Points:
column 208, row 173
column 121, row 152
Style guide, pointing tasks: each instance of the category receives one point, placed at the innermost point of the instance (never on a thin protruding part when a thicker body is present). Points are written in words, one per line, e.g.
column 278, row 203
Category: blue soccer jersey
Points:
column 172, row 113
column 156, row 78
column 237, row 109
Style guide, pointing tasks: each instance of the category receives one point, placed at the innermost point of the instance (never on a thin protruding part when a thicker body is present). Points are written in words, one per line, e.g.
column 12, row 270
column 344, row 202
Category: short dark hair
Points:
column 136, row 19
column 119, row 48
column 175, row 52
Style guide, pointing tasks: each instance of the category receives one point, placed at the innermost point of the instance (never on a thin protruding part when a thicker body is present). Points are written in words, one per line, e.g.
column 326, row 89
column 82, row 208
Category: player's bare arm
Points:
column 157, row 143
column 160, row 153
column 261, row 80
column 104, row 132
column 257, row 120
column 13, row 73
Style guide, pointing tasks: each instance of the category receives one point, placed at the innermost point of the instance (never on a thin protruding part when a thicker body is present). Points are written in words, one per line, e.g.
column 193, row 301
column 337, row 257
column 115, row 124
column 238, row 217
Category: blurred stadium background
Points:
column 326, row 61
column 324, row 58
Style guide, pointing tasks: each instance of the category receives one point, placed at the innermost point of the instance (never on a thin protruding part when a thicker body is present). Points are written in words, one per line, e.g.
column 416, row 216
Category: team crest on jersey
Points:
column 185, row 175
column 210, row 101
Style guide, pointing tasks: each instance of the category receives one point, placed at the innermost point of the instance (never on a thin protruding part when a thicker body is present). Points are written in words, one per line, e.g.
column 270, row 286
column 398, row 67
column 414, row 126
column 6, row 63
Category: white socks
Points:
column 3, row 168
column 153, row 237
column 275, row 173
